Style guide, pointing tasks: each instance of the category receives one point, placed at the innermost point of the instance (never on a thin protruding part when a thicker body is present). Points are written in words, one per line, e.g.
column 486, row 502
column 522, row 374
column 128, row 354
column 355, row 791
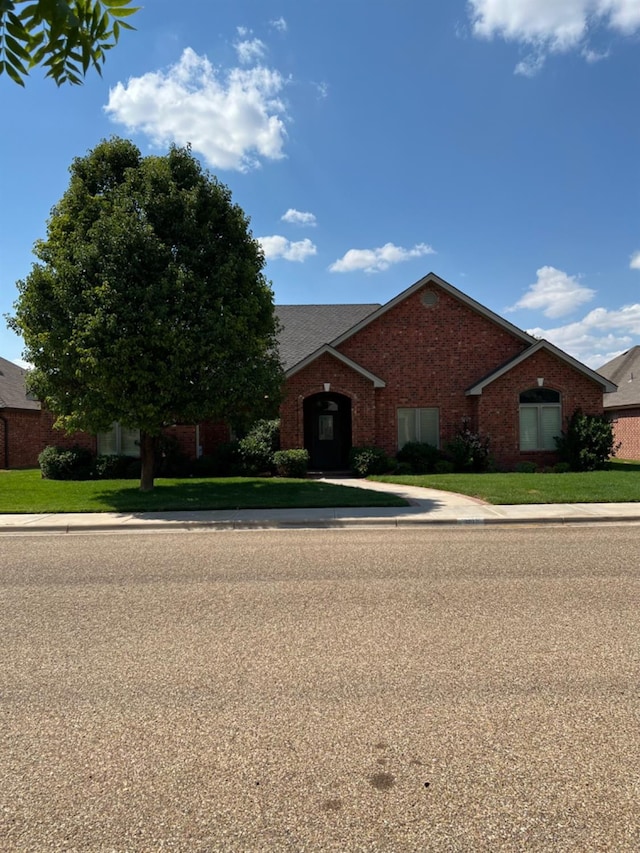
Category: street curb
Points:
column 312, row 524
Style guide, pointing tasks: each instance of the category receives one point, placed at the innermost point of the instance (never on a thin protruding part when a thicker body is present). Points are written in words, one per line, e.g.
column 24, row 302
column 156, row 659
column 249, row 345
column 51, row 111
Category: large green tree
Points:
column 148, row 304
column 66, row 37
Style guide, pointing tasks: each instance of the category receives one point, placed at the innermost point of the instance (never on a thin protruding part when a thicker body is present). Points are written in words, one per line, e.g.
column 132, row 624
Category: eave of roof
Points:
column 329, row 350
column 624, row 370
column 477, row 389
column 432, row 278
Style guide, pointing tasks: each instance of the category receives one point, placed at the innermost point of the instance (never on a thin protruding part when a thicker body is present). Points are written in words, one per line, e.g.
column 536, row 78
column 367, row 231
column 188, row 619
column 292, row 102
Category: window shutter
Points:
column 108, row 442
column 550, row 426
column 129, row 441
column 406, row 426
column 429, row 427
column 528, row 428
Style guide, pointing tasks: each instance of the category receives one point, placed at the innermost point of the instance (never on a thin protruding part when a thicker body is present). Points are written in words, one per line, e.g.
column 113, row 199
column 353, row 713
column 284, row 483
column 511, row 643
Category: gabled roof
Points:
column 13, row 391
column 432, row 278
column 305, row 328
column 624, row 370
column 326, row 348
column 477, row 389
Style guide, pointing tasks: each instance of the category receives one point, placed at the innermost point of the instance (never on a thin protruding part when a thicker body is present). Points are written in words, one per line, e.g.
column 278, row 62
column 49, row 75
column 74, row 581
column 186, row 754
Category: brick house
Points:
column 414, row 369
column 419, row 367
column 623, row 405
column 26, row 429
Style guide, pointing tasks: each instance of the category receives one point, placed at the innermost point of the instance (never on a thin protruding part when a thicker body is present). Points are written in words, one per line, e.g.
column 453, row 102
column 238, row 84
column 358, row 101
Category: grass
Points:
column 26, row 491
column 621, row 483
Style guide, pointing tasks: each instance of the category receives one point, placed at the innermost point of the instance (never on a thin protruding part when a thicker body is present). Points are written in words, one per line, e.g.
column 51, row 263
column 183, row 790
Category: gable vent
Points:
column 429, row 298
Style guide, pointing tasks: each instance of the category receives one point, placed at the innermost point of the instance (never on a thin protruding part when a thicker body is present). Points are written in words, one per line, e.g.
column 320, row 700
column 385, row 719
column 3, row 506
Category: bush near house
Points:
column 420, row 457
column 365, row 461
column 59, row 463
column 588, row 442
column 256, row 449
column 291, row 463
column 469, row 451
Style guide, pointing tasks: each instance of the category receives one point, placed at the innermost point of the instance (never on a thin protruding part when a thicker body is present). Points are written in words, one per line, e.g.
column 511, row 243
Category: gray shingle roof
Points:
column 13, row 392
column 305, row 328
column 624, row 370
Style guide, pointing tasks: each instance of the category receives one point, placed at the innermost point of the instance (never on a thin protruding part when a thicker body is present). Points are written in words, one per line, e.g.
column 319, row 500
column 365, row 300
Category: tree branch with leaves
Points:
column 67, row 37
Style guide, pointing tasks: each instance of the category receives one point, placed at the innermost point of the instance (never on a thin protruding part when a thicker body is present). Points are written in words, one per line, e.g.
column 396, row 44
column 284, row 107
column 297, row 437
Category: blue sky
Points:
column 495, row 142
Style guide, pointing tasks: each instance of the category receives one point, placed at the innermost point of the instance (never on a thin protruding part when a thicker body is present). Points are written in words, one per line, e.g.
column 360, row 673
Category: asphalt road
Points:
column 383, row 690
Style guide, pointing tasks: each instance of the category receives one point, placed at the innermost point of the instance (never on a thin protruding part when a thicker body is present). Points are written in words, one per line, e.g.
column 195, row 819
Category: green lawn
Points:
column 620, row 483
column 26, row 491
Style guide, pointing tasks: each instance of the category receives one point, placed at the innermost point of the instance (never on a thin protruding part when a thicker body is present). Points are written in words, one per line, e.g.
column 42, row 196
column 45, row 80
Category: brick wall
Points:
column 498, row 406
column 428, row 356
column 626, row 428
column 21, row 444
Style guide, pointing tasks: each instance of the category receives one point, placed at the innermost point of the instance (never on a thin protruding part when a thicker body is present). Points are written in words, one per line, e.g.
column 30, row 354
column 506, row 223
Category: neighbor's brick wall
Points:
column 59, row 438
column 428, row 356
column 626, row 428
column 22, row 441
column 498, row 407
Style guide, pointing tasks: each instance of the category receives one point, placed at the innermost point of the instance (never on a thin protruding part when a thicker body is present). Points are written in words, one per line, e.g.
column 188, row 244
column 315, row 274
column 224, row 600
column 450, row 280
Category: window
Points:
column 119, row 440
column 418, row 425
column 540, row 419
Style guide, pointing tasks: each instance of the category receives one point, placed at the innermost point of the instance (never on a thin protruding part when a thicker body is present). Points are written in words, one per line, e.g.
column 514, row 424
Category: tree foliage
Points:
column 148, row 304
column 66, row 37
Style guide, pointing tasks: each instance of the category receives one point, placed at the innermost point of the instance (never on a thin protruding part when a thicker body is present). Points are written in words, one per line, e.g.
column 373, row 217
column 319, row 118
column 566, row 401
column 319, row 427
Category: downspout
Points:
column 197, row 441
column 6, row 440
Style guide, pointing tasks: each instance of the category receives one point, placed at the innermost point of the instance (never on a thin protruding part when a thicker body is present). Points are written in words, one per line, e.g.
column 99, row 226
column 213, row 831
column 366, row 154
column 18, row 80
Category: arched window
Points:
column 540, row 419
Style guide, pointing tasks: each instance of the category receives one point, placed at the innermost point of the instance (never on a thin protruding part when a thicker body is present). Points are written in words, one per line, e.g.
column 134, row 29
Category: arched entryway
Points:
column 327, row 431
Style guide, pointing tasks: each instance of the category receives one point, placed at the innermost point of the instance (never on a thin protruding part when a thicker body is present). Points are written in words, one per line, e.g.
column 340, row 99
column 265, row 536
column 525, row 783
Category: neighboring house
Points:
column 419, row 368
column 26, row 429
column 623, row 405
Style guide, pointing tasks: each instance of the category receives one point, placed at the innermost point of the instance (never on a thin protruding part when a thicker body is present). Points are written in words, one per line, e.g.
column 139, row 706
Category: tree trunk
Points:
column 147, row 460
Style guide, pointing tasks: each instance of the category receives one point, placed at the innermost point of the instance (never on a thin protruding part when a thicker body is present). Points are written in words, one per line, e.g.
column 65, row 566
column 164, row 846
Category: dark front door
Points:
column 327, row 431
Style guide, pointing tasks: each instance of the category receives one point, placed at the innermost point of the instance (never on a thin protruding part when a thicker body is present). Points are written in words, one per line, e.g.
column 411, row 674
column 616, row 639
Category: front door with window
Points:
column 327, row 431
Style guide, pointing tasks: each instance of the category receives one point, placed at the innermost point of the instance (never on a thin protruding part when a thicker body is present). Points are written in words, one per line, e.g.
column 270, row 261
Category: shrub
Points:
column 364, row 461
column 116, row 468
column 444, row 466
column 420, row 456
column 256, row 449
column 468, row 450
column 526, row 468
column 587, row 443
column 60, row 463
column 561, row 468
column 291, row 463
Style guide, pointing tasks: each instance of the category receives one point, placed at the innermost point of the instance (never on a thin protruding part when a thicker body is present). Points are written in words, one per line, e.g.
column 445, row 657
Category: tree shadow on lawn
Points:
column 234, row 494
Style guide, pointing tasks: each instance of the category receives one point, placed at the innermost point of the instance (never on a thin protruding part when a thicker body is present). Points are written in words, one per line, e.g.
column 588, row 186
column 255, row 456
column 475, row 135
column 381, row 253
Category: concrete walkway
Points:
column 428, row 507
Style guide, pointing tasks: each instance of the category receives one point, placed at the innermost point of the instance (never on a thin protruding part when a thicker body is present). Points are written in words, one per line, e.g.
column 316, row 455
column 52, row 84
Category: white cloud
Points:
column 554, row 293
column 279, row 24
column 233, row 118
column 297, row 217
column 599, row 336
column 634, row 263
column 376, row 260
column 552, row 26
column 250, row 50
column 279, row 247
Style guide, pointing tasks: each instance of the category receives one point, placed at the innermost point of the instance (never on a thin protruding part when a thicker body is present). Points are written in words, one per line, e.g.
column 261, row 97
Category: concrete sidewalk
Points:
column 427, row 507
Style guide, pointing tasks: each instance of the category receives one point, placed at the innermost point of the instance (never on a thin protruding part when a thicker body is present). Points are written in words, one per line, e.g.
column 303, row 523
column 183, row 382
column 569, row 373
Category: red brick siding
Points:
column 626, row 428
column 49, row 435
column 20, row 438
column 498, row 407
column 428, row 357
column 212, row 434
